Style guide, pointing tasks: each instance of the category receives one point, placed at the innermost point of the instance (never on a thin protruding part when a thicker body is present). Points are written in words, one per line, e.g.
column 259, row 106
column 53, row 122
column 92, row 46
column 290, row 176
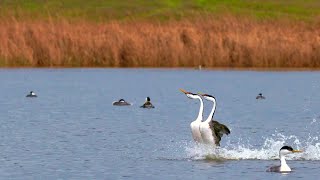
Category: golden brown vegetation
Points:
column 209, row 41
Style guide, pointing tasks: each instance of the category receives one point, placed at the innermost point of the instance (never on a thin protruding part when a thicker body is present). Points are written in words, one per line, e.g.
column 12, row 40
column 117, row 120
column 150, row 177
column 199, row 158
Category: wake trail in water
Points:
column 244, row 151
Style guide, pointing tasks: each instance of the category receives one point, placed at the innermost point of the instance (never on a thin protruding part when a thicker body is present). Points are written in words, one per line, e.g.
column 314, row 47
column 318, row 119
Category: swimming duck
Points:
column 260, row 96
column 147, row 104
column 121, row 102
column 32, row 94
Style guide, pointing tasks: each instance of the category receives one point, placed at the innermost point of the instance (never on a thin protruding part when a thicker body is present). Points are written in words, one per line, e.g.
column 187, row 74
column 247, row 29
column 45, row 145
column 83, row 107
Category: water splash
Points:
column 268, row 151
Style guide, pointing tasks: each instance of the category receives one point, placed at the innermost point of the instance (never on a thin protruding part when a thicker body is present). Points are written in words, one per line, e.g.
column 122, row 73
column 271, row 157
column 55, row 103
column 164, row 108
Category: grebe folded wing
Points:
column 218, row 131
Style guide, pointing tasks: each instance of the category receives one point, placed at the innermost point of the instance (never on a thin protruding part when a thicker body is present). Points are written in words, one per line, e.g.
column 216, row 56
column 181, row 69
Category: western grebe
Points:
column 147, row 104
column 32, row 94
column 260, row 96
column 121, row 102
column 285, row 150
column 212, row 131
column 195, row 125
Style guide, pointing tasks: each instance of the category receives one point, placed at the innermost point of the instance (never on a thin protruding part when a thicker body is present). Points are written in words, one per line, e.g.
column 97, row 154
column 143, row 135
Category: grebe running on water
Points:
column 211, row 130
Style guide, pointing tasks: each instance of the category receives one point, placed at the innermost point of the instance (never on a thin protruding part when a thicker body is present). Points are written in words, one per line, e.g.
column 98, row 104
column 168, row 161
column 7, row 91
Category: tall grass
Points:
column 206, row 41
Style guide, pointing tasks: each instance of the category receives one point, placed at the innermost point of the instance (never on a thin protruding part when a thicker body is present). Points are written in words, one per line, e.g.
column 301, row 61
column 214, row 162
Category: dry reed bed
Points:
column 210, row 42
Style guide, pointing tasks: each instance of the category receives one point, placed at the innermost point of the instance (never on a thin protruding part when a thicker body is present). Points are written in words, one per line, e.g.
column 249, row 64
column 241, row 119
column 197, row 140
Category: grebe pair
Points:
column 208, row 131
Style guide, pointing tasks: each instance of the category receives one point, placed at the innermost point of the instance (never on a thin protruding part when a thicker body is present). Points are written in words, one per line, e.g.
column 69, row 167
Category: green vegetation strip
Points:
column 121, row 9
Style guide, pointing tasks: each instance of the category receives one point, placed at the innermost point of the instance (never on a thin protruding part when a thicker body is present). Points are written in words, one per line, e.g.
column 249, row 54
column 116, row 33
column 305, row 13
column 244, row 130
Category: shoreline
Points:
column 180, row 68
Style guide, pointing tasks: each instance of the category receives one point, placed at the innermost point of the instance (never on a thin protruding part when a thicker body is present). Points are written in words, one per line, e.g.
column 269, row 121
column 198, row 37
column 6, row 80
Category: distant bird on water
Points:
column 260, row 96
column 285, row 150
column 147, row 104
column 121, row 102
column 31, row 94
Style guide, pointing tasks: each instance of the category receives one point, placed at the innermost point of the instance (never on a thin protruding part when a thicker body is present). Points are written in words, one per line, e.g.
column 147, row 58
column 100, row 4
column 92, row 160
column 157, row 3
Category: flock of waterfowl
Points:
column 122, row 102
column 210, row 131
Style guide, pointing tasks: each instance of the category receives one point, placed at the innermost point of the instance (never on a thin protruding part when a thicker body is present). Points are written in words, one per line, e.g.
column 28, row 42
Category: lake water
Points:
column 72, row 131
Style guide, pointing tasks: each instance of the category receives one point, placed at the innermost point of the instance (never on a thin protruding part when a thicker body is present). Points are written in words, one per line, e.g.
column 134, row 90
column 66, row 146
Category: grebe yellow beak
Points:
column 297, row 151
column 184, row 91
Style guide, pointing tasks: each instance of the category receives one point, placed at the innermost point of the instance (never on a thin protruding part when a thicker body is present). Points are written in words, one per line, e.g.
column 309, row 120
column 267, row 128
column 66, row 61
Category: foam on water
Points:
column 268, row 151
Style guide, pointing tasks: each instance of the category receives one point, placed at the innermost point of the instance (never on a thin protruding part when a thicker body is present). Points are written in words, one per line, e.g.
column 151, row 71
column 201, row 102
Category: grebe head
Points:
column 285, row 150
column 189, row 94
column 260, row 94
column 208, row 97
column 122, row 100
column 148, row 99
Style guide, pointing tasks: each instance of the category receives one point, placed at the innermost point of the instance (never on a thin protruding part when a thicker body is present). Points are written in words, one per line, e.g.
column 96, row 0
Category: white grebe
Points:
column 195, row 125
column 212, row 131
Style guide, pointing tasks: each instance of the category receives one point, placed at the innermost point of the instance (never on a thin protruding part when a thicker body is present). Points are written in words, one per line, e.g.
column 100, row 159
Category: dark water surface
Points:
column 72, row 131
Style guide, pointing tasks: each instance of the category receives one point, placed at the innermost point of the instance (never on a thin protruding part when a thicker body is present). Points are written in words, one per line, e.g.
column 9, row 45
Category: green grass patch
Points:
column 122, row 9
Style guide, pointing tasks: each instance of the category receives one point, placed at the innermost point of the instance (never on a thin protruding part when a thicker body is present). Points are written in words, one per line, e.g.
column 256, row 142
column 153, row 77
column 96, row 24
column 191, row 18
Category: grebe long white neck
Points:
column 213, row 109
column 199, row 118
column 283, row 164
column 195, row 96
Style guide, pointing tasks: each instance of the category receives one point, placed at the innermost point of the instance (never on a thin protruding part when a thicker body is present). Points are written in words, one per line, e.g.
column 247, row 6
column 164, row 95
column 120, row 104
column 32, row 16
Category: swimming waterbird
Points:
column 283, row 168
column 147, row 104
column 32, row 94
column 121, row 102
column 260, row 96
